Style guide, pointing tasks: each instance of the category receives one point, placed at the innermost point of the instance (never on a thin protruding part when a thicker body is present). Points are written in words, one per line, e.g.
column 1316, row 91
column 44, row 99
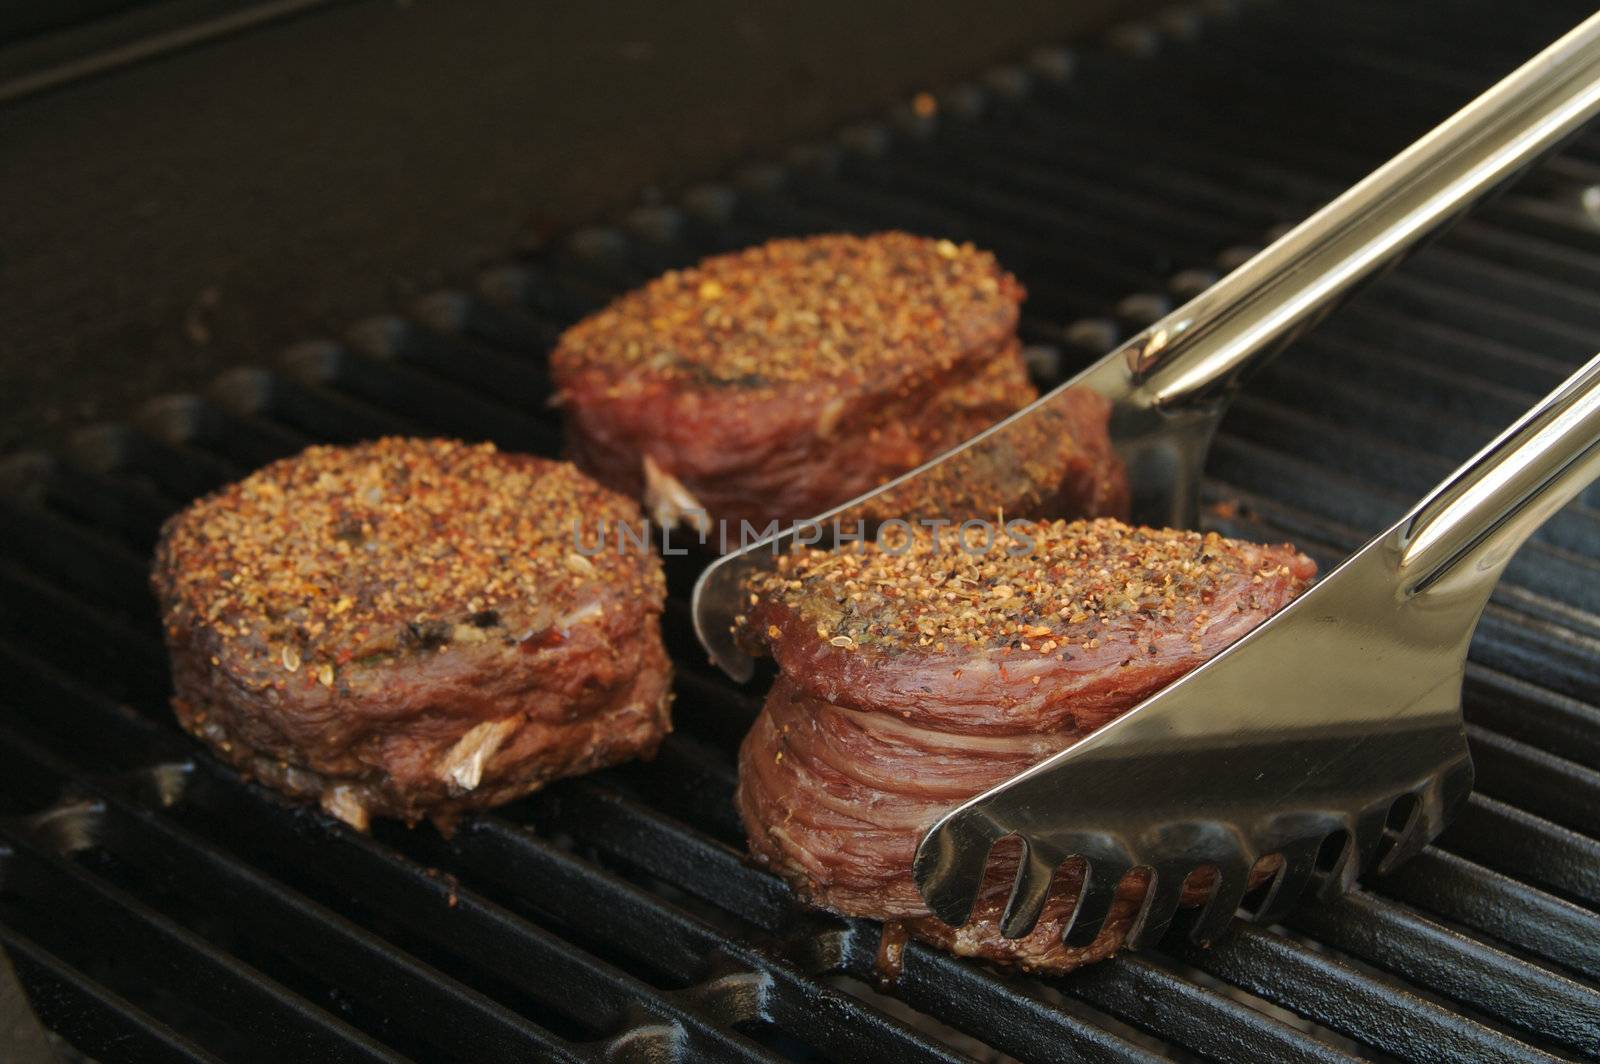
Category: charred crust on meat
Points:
column 425, row 635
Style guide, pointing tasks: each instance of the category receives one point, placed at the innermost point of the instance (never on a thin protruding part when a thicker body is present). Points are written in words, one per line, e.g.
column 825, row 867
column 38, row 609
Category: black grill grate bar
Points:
column 54, row 697
column 173, row 471
column 1370, row 393
column 411, row 993
column 1445, row 345
column 57, row 890
column 90, row 564
column 1125, row 237
column 31, row 785
column 631, row 831
column 1552, row 1007
column 441, row 405
column 1482, row 314
column 1399, row 471
column 1519, row 290
column 1258, row 193
column 453, row 313
column 122, row 509
column 1388, row 464
column 1528, row 847
column 1026, row 1024
column 1538, row 781
column 416, row 364
column 1216, row 1025
column 1373, row 1011
column 124, row 660
column 103, row 1022
column 1462, row 414
column 1047, row 124
column 182, row 964
column 184, row 421
column 463, row 922
column 1231, row 169
column 1357, row 379
column 516, row 861
column 1072, row 293
column 310, row 410
column 1361, row 407
column 1265, row 64
column 517, row 381
column 1255, row 192
column 1515, row 914
column 1521, row 710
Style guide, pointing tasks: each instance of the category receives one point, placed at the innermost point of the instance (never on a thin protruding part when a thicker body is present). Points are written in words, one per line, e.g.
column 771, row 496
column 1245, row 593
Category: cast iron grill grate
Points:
column 158, row 909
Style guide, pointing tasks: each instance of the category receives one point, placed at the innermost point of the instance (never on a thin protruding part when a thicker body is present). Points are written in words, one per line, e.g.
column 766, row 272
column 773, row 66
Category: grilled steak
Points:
column 914, row 676
column 409, row 628
column 776, row 382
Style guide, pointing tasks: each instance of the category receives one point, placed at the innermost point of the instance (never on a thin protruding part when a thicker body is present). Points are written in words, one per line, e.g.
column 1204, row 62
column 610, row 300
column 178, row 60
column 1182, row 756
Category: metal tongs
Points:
column 1331, row 735
column 1339, row 718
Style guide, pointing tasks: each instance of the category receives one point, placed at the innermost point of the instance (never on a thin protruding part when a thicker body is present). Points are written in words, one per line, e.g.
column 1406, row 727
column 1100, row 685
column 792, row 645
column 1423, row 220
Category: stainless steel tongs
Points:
column 1331, row 735
column 1168, row 388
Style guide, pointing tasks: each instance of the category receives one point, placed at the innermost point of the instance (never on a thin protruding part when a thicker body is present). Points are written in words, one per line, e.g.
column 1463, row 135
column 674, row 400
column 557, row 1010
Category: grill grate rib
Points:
column 159, row 909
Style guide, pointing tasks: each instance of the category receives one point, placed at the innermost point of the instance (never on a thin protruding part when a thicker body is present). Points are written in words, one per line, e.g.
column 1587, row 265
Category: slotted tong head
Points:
column 1332, row 735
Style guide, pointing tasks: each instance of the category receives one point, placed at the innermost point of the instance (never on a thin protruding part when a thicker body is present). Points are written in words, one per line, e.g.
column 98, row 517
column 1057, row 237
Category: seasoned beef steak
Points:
column 408, row 628
column 911, row 682
column 776, row 382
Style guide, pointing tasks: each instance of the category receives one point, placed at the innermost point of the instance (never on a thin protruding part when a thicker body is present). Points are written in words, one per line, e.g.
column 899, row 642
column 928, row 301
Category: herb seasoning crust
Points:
column 773, row 383
column 408, row 627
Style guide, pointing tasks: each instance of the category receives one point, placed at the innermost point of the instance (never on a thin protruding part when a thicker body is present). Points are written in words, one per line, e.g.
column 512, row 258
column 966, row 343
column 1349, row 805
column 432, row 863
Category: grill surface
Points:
column 161, row 910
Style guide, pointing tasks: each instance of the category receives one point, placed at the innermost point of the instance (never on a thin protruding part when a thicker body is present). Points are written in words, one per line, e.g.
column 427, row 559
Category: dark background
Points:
column 163, row 219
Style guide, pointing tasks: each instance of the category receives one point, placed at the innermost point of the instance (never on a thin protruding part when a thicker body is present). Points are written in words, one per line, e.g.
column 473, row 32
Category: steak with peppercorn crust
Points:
column 914, row 676
column 413, row 628
column 777, row 382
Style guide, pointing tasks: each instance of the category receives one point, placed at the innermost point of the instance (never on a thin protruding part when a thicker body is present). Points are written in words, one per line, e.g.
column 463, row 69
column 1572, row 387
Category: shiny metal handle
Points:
column 1203, row 347
column 1464, row 533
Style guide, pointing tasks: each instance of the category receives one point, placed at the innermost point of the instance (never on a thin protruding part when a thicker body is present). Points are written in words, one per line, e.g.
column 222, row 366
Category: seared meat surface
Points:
column 774, row 383
column 408, row 628
column 913, row 677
